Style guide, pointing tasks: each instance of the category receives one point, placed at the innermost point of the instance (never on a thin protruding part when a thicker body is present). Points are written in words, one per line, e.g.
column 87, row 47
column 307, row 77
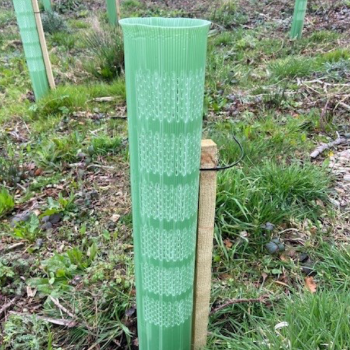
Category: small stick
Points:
column 8, row 305
column 261, row 299
column 205, row 236
column 325, row 146
column 43, row 45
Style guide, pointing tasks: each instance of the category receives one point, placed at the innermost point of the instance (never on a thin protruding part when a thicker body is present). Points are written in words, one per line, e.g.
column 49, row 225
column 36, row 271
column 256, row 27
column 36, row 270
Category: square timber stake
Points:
column 205, row 236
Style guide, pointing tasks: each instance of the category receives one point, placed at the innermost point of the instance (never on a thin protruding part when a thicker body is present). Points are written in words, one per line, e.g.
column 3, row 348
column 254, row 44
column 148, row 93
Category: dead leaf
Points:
column 31, row 292
column 38, row 172
column 310, row 284
column 228, row 243
column 115, row 217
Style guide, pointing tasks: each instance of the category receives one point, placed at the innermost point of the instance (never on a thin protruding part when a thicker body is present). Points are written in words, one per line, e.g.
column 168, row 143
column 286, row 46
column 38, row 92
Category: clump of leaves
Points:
column 338, row 71
column 107, row 51
column 26, row 333
column 61, row 268
column 7, row 202
column 53, row 22
column 28, row 230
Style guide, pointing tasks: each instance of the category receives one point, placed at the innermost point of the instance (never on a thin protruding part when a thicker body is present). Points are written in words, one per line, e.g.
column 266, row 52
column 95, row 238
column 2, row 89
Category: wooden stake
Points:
column 205, row 236
column 117, row 5
column 43, row 45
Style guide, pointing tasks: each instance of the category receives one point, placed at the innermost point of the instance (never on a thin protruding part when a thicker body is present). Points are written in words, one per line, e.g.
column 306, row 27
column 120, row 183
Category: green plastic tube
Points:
column 298, row 19
column 47, row 5
column 165, row 67
column 31, row 44
column 112, row 12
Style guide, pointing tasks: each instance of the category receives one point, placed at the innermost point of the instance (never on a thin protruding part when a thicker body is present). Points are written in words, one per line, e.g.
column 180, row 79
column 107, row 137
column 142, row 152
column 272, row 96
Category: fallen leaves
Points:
column 310, row 284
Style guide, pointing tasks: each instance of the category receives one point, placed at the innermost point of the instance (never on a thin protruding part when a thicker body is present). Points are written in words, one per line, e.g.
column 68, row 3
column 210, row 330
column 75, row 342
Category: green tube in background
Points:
column 165, row 68
column 31, row 44
column 298, row 19
column 47, row 5
column 112, row 12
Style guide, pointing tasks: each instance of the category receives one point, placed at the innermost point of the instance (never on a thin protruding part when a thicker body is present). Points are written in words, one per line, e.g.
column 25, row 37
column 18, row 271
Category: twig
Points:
column 12, row 247
column 325, row 146
column 261, row 299
column 8, row 305
column 61, row 307
column 344, row 105
column 58, row 321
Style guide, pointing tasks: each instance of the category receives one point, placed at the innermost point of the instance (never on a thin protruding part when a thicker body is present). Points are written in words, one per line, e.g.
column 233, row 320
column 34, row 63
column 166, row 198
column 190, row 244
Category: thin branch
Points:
column 325, row 146
column 261, row 299
column 58, row 321
column 8, row 305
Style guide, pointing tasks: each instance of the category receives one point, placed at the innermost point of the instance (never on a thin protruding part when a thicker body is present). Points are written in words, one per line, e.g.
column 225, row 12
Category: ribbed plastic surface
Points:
column 298, row 19
column 31, row 45
column 112, row 12
column 165, row 63
column 47, row 5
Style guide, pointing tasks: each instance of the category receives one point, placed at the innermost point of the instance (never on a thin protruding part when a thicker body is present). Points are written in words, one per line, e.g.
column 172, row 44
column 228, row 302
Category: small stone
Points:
column 22, row 217
column 55, row 218
column 45, row 219
column 272, row 247
column 347, row 177
column 81, row 155
column 93, row 195
column 46, row 226
column 268, row 226
column 39, row 243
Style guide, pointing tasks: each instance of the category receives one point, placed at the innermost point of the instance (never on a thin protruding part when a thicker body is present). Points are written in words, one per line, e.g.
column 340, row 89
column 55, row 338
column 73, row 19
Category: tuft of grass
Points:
column 333, row 266
column 308, row 321
column 268, row 192
column 293, row 67
column 7, row 202
column 107, row 51
column 53, row 22
column 323, row 36
column 68, row 98
column 102, row 145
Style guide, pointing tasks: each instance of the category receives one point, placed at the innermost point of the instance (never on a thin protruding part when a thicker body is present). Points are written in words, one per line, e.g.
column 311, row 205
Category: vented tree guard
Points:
column 298, row 19
column 112, row 12
column 31, row 44
column 165, row 65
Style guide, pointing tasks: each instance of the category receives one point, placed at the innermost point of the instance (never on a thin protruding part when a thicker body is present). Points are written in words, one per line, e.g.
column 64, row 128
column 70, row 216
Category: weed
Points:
column 26, row 333
column 7, row 202
column 107, row 50
column 57, row 150
column 64, row 6
column 53, row 22
column 61, row 268
column 28, row 230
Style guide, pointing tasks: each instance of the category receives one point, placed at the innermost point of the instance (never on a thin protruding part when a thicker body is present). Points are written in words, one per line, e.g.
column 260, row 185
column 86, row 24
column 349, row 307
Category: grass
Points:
column 67, row 154
column 302, row 322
